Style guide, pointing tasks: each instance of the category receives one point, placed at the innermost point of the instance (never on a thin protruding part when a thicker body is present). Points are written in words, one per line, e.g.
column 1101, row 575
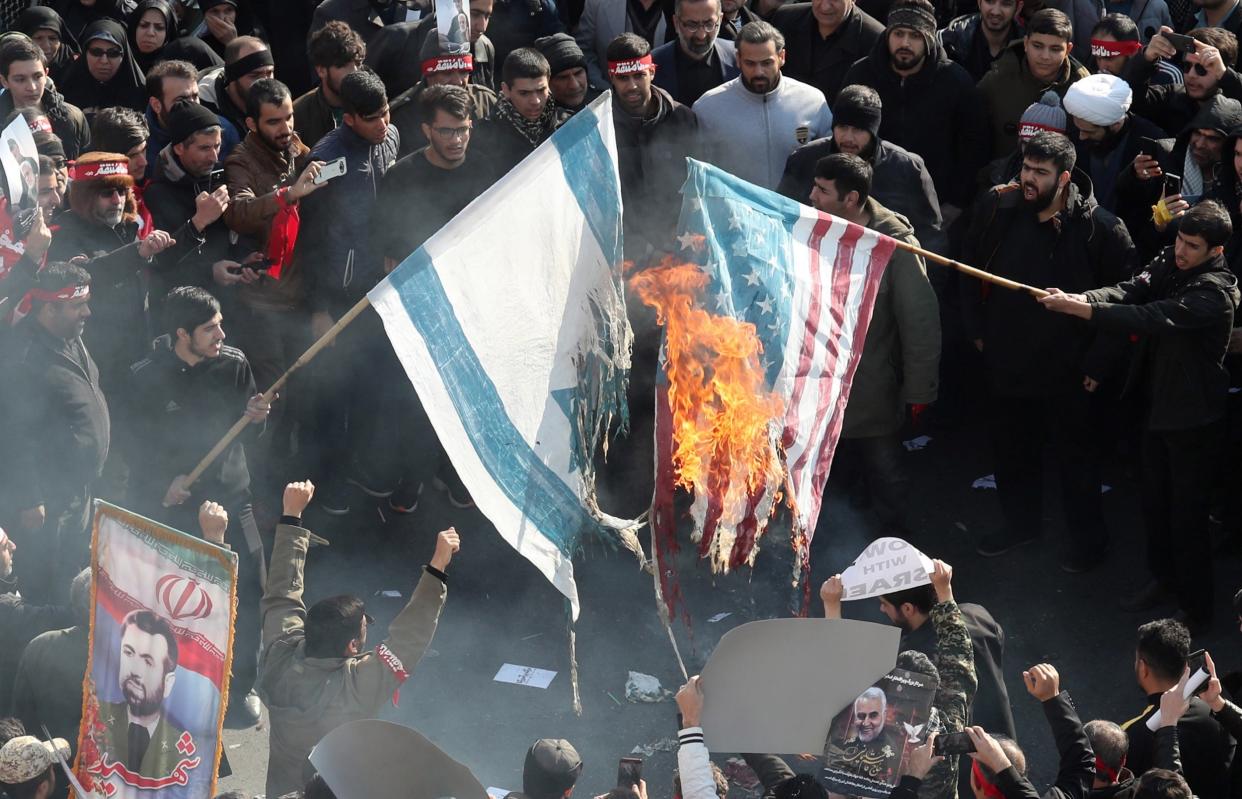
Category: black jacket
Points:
column 1184, row 318
column 175, row 413
column 1077, row 761
column 68, row 122
column 1108, row 161
column 651, row 156
column 1206, row 748
column 56, row 427
column 853, row 40
column 395, row 51
column 936, row 112
column 964, row 43
column 171, row 199
column 1029, row 352
column 21, row 621
column 1168, row 105
column 665, row 58
column 899, row 181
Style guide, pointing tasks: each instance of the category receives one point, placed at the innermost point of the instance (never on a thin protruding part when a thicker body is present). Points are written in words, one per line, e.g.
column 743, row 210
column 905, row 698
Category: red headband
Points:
column 989, row 790
column 70, row 292
column 449, row 63
column 1028, row 129
column 618, row 68
column 1108, row 771
column 40, row 125
column 1103, row 49
column 100, row 169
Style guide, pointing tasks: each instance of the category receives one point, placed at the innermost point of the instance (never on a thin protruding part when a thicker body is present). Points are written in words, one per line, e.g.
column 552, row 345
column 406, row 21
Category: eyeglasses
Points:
column 695, row 27
column 110, row 53
column 453, row 133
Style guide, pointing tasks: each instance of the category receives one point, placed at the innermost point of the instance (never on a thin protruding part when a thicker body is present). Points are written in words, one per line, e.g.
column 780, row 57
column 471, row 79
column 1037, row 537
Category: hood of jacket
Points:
column 1219, row 113
column 888, row 222
column 630, row 123
column 936, row 56
column 170, row 170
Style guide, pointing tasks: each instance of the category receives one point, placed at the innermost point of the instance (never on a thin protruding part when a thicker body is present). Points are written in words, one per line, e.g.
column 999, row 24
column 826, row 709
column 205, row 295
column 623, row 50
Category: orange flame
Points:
column 726, row 422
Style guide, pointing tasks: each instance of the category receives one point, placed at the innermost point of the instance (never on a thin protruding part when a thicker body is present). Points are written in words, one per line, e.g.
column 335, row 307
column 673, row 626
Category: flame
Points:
column 726, row 423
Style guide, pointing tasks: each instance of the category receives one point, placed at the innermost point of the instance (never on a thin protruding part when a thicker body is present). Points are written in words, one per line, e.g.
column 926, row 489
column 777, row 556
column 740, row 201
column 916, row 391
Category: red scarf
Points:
column 989, row 789
column 283, row 235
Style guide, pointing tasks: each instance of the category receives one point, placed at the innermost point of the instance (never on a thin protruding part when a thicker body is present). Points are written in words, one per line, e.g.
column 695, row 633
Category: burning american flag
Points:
column 764, row 324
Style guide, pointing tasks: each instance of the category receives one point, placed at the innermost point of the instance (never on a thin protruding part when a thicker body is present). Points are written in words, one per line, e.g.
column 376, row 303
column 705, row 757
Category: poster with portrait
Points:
column 20, row 159
column 871, row 739
column 453, row 26
column 162, row 608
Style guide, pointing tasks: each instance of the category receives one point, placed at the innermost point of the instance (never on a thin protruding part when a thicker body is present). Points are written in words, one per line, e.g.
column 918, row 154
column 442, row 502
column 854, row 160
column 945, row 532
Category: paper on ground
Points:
column 524, row 675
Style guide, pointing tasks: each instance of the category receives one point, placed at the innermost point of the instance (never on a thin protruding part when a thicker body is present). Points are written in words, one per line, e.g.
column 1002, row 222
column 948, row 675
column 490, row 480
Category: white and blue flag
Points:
column 510, row 322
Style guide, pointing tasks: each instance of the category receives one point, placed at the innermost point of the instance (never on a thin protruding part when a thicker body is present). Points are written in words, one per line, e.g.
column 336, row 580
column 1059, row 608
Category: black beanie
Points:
column 561, row 51
column 187, row 118
column 915, row 17
column 849, row 111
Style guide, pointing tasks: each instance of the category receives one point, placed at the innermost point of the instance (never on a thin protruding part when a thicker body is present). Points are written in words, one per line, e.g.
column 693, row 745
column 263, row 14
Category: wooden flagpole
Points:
column 987, row 277
column 327, row 338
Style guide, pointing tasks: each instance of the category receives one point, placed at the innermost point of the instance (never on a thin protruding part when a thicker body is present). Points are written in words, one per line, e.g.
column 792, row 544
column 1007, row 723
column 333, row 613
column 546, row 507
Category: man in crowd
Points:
column 1027, row 69
column 1045, row 229
column 246, row 59
column 550, row 770
column 335, row 51
column 316, row 672
column 1206, row 73
column 899, row 178
column 124, row 130
column 655, row 134
column 699, row 60
column 571, row 89
column 23, row 76
column 524, row 115
column 934, row 108
column 28, row 766
column 394, row 52
column 57, row 430
column 188, row 195
column 1108, row 134
column 1222, row 14
column 170, row 83
column 825, row 38
column 901, row 355
column 438, row 69
column 20, row 621
column 976, row 40
column 338, row 271
column 179, row 402
column 751, row 124
column 604, row 20
column 735, row 15
column 1115, row 49
column 48, row 686
column 1183, row 305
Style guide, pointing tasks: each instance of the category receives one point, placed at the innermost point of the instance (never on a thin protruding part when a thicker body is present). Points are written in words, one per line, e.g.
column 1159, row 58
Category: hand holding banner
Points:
column 885, row 566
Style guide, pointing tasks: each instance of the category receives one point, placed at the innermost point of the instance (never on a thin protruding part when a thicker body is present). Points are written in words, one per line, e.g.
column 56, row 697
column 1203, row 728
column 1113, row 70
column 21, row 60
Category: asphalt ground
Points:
column 500, row 610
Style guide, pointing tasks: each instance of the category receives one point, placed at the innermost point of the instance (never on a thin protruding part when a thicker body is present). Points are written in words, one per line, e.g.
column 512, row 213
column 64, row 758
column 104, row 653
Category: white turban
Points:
column 1099, row 99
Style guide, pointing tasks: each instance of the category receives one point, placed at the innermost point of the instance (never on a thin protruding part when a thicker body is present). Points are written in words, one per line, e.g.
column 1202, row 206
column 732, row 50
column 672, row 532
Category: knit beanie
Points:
column 187, row 118
column 1099, row 99
column 561, row 51
column 849, row 110
column 1043, row 114
column 913, row 16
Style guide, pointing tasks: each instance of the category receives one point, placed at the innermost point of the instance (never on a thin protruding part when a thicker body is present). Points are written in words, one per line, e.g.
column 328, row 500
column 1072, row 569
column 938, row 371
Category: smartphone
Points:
column 215, row 179
column 332, row 169
column 1148, row 146
column 1172, row 185
column 1180, row 42
column 629, row 772
column 954, row 743
column 1197, row 662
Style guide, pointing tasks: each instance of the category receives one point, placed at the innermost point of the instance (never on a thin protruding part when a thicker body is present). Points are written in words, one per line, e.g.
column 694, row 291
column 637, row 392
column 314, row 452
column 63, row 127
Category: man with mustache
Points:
column 137, row 734
column 700, row 59
column 976, row 40
column 1043, row 370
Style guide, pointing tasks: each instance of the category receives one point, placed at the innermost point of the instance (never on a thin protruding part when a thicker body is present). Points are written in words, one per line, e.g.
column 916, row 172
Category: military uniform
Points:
column 161, row 755
column 955, row 660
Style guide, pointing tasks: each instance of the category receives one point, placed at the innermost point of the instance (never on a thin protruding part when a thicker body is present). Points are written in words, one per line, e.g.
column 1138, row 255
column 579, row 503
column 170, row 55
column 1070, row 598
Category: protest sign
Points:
column 867, row 747
column 775, row 685
column 20, row 159
column 161, row 642
column 453, row 26
column 371, row 758
column 885, row 566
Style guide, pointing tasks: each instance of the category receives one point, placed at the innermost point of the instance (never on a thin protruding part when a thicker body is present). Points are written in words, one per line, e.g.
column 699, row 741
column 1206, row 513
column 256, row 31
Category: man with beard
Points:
column 394, row 52
column 1108, row 134
column 870, row 752
column 137, row 733
column 24, row 78
column 655, row 134
column 335, row 51
column 571, row 90
column 1114, row 45
column 525, row 114
column 976, row 40
column 751, row 124
column 934, row 108
column 1046, row 229
column 439, row 69
column 699, row 60
column 735, row 15
column 246, row 59
column 825, row 38
column 123, row 130
column 899, row 178
column 170, row 83
column 1206, row 73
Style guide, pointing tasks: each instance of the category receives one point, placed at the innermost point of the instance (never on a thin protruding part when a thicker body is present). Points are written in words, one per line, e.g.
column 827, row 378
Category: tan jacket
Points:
column 308, row 697
column 253, row 172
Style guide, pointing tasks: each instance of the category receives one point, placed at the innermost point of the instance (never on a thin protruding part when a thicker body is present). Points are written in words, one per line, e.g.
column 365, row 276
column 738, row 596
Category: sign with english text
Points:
column 885, row 566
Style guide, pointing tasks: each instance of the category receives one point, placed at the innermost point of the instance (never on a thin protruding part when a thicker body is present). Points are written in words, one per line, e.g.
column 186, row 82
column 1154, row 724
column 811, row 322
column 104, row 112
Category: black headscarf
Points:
column 78, row 16
column 38, row 18
column 185, row 48
column 127, row 88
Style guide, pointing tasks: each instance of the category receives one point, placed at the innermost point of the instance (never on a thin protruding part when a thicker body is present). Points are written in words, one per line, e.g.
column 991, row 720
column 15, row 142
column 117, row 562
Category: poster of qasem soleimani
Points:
column 162, row 607
column 870, row 740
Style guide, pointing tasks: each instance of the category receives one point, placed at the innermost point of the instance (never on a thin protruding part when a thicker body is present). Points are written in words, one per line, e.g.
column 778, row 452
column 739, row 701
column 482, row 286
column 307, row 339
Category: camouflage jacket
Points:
column 955, row 660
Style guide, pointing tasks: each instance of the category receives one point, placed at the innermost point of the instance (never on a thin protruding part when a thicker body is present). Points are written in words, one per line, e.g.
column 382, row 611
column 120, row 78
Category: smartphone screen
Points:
column 629, row 772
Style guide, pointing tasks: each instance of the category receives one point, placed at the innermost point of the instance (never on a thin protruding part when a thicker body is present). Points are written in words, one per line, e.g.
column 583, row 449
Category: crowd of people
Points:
column 256, row 167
